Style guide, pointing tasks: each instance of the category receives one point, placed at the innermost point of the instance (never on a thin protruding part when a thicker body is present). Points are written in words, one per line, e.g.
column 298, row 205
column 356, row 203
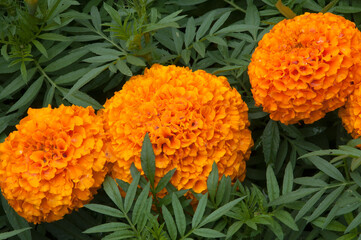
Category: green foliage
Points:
column 303, row 181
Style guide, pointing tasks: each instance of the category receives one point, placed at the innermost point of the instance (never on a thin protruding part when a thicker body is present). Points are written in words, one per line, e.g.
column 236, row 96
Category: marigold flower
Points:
column 193, row 119
column 306, row 66
column 53, row 163
column 351, row 114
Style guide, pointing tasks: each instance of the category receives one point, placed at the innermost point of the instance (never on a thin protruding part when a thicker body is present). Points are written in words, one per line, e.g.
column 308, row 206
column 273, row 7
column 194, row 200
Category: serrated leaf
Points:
column 40, row 47
column 123, row 68
column 85, row 79
column 286, row 219
column 164, row 180
column 177, row 39
column 180, row 218
column 221, row 190
column 49, row 95
column 29, row 95
column 138, row 209
column 355, row 163
column 332, row 226
column 270, row 141
column 96, row 20
column 190, row 32
column 23, row 71
column 212, row 181
column 208, row 233
column 53, row 37
column 113, row 14
column 71, row 77
column 7, row 235
column 204, row 26
column 347, row 9
column 275, row 228
column 80, row 99
column 17, row 222
column 101, row 59
column 219, row 22
column 200, row 48
column 186, row 55
column 327, row 168
column 356, row 177
column 309, row 204
column 136, row 61
column 132, row 190
column 220, row 212
column 355, row 223
column 111, row 189
column 107, row 227
column 147, row 158
column 122, row 234
column 236, row 28
column 172, row 229
column 288, row 179
column 310, row 181
column 293, row 196
column 252, row 18
column 272, row 184
column 233, row 229
column 105, row 210
column 201, row 207
column 65, row 61
column 326, row 203
column 217, row 40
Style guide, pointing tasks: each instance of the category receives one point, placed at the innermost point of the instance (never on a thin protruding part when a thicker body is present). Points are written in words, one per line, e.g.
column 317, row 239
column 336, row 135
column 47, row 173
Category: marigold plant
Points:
column 53, row 163
column 193, row 119
column 306, row 66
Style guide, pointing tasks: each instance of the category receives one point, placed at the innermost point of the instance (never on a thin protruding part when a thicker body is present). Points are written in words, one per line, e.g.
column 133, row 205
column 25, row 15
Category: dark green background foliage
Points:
column 303, row 181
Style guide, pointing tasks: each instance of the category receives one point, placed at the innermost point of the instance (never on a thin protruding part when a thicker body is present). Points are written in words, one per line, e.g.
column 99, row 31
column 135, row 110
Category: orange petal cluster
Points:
column 53, row 163
column 306, row 66
column 193, row 119
column 351, row 113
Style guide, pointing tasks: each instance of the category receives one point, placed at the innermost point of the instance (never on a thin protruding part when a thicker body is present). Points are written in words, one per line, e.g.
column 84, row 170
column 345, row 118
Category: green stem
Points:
column 230, row 2
column 345, row 165
column 41, row 70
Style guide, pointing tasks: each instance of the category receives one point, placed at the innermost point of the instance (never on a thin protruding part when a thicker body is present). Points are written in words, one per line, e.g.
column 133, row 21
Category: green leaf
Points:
column 132, row 190
column 288, row 179
column 17, row 222
column 311, row 181
column 293, row 196
column 347, row 9
column 147, row 158
column 180, row 218
column 107, row 227
column 172, row 229
column 208, row 233
column 85, row 79
column 23, row 71
column 201, row 207
column 223, row 189
column 270, row 141
column 53, row 37
column 123, row 68
column 164, row 180
column 29, row 95
column 80, row 99
column 122, row 234
column 111, row 189
column 219, row 22
column 96, row 20
column 177, row 39
column 40, row 47
column 275, row 228
column 65, row 61
column 309, row 204
column 4, row 52
column 327, row 168
column 49, row 95
column 272, row 185
column 17, row 84
column 252, row 18
column 332, row 226
column 355, row 223
column 140, row 204
column 204, row 26
column 190, row 32
column 349, row 236
column 356, row 177
column 286, row 219
column 101, row 59
column 355, row 163
column 136, row 61
column 212, row 181
column 326, row 203
column 236, row 28
column 220, row 212
column 105, row 210
column 7, row 235
column 71, row 77
column 113, row 14
column 200, row 48
column 217, row 40
column 233, row 229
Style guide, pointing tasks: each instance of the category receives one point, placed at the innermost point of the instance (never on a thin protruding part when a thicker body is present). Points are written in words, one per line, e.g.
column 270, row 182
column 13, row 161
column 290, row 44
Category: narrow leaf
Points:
column 204, row 26
column 180, row 218
column 107, row 227
column 286, row 218
column 172, row 229
column 201, row 207
column 105, row 210
column 219, row 22
column 132, row 190
column 270, row 141
column 190, row 32
column 53, row 37
column 309, row 204
column 40, row 47
column 147, row 158
column 272, row 185
column 355, row 223
column 164, row 180
column 212, row 181
column 293, row 196
column 327, row 168
column 288, row 179
column 208, row 233
column 111, row 189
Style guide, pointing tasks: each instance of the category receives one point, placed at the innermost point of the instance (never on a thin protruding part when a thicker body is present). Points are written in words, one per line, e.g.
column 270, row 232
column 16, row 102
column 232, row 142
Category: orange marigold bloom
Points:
column 351, row 114
column 193, row 119
column 306, row 66
column 53, row 163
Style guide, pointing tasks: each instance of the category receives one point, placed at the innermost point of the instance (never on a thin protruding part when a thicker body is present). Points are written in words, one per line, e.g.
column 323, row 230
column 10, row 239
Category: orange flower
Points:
column 351, row 114
column 193, row 119
column 53, row 163
column 306, row 66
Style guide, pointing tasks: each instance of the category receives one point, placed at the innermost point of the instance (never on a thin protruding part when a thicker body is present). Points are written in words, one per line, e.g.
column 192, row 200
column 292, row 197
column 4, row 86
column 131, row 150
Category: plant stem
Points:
column 230, row 2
